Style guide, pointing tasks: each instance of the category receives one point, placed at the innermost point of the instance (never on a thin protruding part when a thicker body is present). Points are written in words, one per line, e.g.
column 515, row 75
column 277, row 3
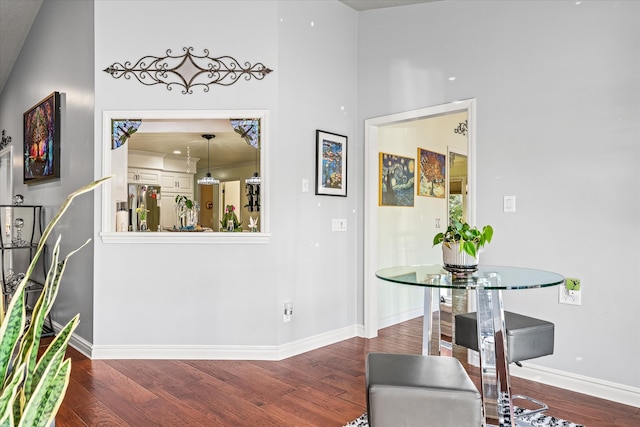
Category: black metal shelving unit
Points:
column 10, row 244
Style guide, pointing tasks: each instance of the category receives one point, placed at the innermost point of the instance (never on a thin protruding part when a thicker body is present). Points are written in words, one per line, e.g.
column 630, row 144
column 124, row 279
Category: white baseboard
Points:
column 399, row 318
column 222, row 352
column 318, row 341
column 601, row 389
column 620, row 393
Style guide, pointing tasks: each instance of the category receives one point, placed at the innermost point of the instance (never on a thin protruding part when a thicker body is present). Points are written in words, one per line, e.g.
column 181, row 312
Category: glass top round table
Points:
column 435, row 276
column 488, row 282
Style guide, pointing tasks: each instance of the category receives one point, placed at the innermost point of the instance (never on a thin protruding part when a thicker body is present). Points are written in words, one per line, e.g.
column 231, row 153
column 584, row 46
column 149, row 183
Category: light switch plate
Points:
column 509, row 204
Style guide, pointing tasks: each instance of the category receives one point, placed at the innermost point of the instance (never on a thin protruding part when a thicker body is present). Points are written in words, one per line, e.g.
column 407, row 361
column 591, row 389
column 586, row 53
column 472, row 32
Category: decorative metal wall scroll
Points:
column 188, row 70
column 6, row 140
column 462, row 128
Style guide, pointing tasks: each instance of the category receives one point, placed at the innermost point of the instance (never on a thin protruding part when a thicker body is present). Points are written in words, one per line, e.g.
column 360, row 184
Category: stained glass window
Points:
column 122, row 130
column 249, row 129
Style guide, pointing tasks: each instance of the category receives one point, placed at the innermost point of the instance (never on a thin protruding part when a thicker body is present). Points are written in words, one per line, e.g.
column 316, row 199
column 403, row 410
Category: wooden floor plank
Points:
column 323, row 388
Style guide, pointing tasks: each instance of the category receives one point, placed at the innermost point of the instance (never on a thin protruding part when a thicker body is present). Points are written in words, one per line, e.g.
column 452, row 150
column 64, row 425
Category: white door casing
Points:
column 371, row 193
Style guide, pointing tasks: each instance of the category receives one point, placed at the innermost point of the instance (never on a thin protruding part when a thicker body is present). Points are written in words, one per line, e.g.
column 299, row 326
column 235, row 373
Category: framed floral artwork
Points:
column 432, row 172
column 41, row 127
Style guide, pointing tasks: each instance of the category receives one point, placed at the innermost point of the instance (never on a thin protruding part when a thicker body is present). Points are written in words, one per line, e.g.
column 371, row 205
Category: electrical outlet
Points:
column 571, row 292
column 288, row 312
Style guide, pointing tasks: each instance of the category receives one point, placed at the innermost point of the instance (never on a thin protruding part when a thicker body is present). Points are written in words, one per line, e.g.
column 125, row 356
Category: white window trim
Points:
column 108, row 234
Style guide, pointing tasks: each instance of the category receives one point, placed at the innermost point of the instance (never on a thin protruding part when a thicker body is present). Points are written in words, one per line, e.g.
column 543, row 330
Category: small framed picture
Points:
column 41, row 127
column 331, row 164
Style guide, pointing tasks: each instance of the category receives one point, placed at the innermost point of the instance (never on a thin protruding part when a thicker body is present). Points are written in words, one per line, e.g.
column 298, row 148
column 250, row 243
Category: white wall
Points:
column 163, row 296
column 558, row 101
column 58, row 56
column 317, row 48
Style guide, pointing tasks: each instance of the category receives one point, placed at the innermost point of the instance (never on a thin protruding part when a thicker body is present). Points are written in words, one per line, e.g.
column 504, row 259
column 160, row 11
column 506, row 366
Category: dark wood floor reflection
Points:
column 324, row 387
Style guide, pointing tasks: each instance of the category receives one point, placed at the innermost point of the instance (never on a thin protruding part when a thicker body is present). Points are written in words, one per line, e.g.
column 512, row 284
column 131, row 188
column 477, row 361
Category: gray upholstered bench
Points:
column 414, row 390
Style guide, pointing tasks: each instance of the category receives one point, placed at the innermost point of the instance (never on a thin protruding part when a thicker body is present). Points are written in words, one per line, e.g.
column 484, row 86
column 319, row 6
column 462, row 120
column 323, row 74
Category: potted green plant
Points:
column 229, row 221
column 461, row 244
column 33, row 387
column 186, row 212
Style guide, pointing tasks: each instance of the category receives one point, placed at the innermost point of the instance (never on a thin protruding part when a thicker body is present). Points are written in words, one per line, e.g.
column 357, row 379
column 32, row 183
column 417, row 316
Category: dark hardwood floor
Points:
column 324, row 387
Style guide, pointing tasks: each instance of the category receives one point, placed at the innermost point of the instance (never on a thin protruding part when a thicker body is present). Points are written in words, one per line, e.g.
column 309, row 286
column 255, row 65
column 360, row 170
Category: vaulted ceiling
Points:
column 17, row 16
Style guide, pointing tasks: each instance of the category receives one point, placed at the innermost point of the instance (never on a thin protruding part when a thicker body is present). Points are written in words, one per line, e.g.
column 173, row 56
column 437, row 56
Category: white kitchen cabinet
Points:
column 143, row 176
column 177, row 182
column 168, row 217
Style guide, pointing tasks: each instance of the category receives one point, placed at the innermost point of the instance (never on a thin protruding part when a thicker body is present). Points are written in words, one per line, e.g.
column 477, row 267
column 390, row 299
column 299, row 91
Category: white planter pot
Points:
column 456, row 260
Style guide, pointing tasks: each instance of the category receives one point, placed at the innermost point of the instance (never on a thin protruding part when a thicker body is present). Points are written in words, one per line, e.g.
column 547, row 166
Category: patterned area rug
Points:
column 538, row 420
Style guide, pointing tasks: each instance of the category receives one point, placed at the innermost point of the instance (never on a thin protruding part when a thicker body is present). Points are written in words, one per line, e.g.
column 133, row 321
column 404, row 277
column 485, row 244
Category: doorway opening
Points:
column 405, row 217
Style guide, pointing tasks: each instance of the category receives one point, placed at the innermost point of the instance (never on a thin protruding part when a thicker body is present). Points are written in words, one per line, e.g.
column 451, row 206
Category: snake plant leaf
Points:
column 31, row 339
column 9, row 393
column 41, row 311
column 11, row 332
column 60, row 342
column 32, row 389
column 7, row 421
column 50, row 387
column 48, row 396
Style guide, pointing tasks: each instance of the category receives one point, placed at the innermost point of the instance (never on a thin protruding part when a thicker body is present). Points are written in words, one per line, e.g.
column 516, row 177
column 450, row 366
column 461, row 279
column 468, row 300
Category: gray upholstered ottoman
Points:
column 414, row 390
column 527, row 337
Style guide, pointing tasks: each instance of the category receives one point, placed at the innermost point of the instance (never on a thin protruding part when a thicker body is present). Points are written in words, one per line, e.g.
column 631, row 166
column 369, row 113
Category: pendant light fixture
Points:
column 208, row 179
column 255, row 179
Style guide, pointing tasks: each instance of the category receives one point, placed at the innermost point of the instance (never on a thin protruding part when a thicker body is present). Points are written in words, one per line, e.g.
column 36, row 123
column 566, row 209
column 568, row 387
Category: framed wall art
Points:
column 331, row 164
column 432, row 173
column 396, row 180
column 41, row 127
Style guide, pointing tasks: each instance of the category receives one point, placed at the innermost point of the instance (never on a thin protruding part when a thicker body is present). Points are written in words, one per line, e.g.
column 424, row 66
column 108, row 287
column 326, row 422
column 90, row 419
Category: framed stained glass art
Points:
column 122, row 131
column 249, row 130
column 41, row 127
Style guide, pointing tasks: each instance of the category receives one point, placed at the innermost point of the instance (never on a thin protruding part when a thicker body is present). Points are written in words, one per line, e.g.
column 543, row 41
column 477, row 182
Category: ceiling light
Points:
column 208, row 179
column 255, row 178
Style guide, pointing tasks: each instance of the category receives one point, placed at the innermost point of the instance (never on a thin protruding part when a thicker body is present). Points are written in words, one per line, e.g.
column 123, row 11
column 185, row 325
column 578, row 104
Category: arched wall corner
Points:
column 371, row 164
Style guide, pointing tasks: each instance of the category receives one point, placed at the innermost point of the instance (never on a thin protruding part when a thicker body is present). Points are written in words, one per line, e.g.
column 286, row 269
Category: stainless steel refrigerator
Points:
column 144, row 207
